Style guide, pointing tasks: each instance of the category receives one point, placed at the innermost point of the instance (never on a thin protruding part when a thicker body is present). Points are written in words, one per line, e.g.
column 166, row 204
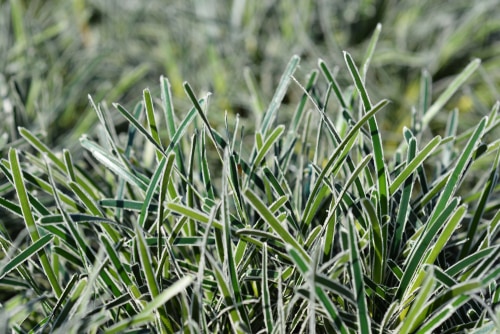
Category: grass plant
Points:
column 306, row 215
column 342, row 240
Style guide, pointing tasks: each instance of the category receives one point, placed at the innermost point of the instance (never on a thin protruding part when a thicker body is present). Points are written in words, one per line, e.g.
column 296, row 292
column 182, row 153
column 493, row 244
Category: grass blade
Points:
column 228, row 245
column 378, row 150
column 358, row 282
column 271, row 111
column 485, row 194
column 139, row 127
column 266, row 297
column 29, row 220
column 450, row 90
column 147, row 266
column 147, row 314
column 227, row 296
column 113, row 164
column 267, row 145
column 191, row 213
column 415, row 163
column 404, row 204
column 197, row 106
column 415, row 259
column 336, row 158
column 457, row 173
column 150, row 116
column 413, row 318
column 24, row 255
column 371, row 50
column 330, row 225
column 152, row 188
column 304, row 266
column 269, row 217
column 331, row 80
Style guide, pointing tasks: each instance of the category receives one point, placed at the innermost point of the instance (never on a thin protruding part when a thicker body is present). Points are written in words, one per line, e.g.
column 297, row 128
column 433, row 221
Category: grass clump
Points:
column 179, row 225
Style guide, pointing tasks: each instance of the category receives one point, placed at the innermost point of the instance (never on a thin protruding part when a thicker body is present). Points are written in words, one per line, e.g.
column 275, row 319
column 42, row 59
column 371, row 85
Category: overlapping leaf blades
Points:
column 206, row 238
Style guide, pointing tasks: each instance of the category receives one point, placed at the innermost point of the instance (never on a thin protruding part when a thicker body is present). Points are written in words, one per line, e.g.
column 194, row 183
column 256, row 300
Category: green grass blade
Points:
column 85, row 198
column 68, row 161
column 109, row 128
column 378, row 151
column 227, row 296
column 404, row 203
column 266, row 297
column 488, row 189
column 335, row 287
column 457, row 173
column 209, row 187
column 152, row 188
column 115, row 259
column 113, row 164
column 470, row 261
column 45, row 186
column 330, row 225
column 451, row 132
column 147, row 314
column 273, row 222
column 24, row 255
column 37, row 205
column 413, row 318
column 442, row 315
column 29, row 220
column 11, row 206
column 267, row 145
column 65, row 294
column 150, row 116
column 168, row 106
column 197, row 106
column 139, row 127
column 358, row 82
column 272, row 110
column 378, row 240
column 449, row 91
column 84, row 250
column 71, row 302
column 371, row 50
column 442, row 238
column 41, row 147
column 147, row 266
column 304, row 266
column 358, row 282
column 165, row 184
column 415, row 163
column 416, row 257
column 299, row 112
column 126, row 204
column 336, row 159
column 191, row 213
column 174, row 134
column 277, row 187
column 331, row 80
column 228, row 245
column 446, row 233
column 448, row 298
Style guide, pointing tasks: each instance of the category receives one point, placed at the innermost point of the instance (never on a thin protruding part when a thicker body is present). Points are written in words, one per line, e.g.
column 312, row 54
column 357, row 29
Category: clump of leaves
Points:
column 310, row 229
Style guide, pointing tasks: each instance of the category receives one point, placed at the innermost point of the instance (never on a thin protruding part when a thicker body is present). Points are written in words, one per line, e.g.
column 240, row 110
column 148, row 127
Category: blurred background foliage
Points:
column 54, row 53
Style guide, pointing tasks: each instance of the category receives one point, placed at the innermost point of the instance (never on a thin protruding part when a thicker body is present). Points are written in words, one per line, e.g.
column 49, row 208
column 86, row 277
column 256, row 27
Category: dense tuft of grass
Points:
column 357, row 193
column 309, row 226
